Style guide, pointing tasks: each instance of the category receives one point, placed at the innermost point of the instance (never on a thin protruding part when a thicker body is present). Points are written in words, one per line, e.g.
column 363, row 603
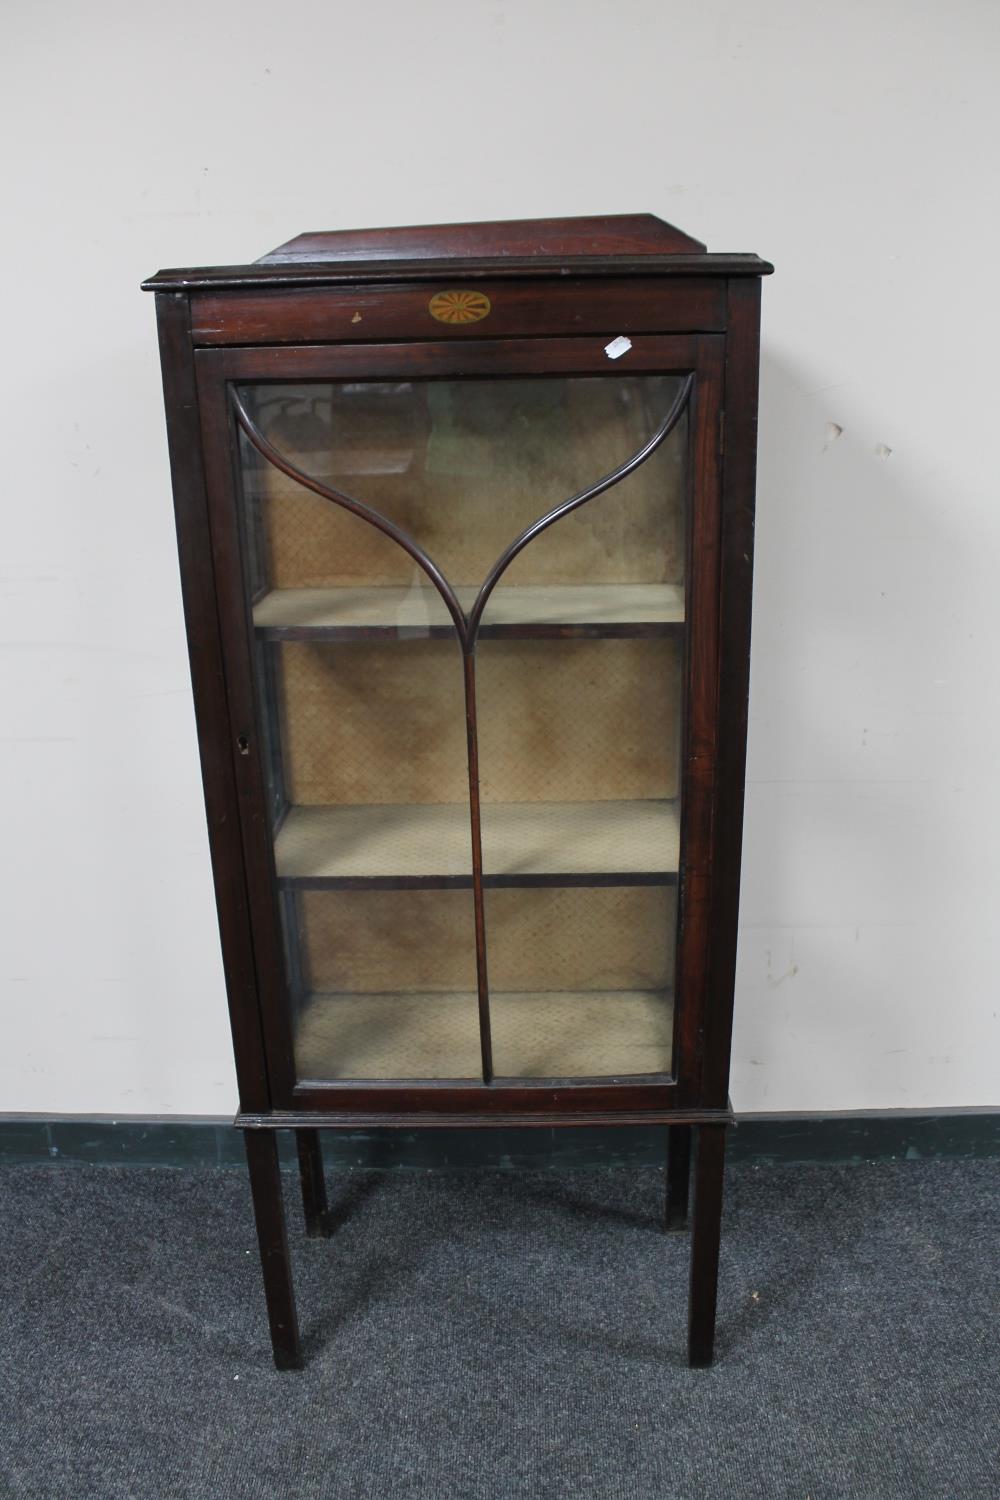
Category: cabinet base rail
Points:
column 344, row 1119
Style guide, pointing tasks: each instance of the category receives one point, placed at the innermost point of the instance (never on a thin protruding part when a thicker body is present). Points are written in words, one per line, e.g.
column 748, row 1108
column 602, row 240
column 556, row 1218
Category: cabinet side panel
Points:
column 739, row 475
column 208, row 683
column 701, row 727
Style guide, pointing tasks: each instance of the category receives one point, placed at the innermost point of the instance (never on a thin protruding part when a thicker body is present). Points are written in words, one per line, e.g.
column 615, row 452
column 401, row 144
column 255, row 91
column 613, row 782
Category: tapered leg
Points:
column 709, row 1163
column 678, row 1175
column 313, row 1185
column 269, row 1211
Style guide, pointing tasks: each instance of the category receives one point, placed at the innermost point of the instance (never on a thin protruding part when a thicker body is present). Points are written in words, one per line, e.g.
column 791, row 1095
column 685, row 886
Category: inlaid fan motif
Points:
column 459, row 307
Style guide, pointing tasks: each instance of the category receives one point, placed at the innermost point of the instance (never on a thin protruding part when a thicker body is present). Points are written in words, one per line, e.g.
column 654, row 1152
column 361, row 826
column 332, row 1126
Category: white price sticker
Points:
column 619, row 346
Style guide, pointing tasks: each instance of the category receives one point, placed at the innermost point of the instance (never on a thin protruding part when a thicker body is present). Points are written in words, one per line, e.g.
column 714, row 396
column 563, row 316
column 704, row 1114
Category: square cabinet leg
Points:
column 310, row 1151
column 678, row 1175
column 705, row 1234
column 269, row 1211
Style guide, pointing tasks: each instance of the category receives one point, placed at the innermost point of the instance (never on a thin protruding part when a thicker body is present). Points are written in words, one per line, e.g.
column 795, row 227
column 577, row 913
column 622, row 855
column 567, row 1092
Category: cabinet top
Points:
column 615, row 244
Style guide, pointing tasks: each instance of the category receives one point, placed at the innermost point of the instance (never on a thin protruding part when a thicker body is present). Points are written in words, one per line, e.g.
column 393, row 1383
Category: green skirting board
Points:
column 102, row 1140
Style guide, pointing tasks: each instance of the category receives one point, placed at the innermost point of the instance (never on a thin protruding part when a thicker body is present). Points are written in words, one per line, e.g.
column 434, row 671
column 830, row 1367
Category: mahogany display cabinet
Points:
column 465, row 518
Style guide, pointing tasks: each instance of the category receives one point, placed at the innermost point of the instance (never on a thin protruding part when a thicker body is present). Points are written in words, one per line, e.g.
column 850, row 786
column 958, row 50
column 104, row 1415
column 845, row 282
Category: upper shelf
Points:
column 568, row 610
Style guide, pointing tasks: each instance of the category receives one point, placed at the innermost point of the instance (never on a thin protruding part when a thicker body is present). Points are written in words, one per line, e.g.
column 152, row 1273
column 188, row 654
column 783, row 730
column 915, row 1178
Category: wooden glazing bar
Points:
column 485, row 1040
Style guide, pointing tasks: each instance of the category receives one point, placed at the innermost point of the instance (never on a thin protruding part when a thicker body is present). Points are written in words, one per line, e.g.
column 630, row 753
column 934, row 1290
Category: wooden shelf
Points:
column 611, row 609
column 524, row 843
column 542, row 1034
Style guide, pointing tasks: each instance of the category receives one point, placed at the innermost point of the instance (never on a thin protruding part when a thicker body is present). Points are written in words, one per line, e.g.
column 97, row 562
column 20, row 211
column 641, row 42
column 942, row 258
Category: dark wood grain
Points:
column 566, row 306
column 245, row 733
column 706, row 1229
column 485, row 359
column 679, row 1144
column 507, row 268
column 701, row 669
column 735, row 605
column 208, row 684
column 269, row 1213
column 320, row 1119
column 354, row 307
column 595, row 234
column 507, row 1098
column 312, row 1182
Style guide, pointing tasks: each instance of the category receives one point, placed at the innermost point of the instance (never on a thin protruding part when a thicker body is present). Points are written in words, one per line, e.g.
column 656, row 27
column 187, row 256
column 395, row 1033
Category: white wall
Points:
column 853, row 144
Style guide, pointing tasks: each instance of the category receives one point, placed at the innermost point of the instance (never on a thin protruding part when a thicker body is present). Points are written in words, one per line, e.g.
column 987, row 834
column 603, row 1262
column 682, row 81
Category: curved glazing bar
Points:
column 444, row 588
column 583, row 739
column 574, row 502
column 467, row 624
column 356, row 507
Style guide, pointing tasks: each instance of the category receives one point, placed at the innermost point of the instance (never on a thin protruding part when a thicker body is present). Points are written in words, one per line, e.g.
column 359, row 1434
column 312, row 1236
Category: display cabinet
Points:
column 465, row 518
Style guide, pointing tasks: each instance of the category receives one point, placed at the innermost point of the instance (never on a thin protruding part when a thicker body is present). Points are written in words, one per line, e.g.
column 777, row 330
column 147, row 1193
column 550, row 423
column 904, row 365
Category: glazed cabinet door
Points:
column 468, row 598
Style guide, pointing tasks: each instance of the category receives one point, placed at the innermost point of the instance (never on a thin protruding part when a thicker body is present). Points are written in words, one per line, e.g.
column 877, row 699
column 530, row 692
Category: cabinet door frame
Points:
column 344, row 1101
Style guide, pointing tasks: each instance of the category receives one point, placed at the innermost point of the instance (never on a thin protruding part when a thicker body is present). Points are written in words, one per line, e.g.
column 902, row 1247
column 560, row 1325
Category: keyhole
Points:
column 243, row 745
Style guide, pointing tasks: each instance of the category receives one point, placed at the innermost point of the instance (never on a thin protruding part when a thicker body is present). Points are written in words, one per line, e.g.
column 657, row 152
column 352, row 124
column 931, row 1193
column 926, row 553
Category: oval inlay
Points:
column 459, row 307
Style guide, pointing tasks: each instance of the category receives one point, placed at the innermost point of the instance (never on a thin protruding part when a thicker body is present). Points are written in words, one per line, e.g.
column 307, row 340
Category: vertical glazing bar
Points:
column 485, row 1035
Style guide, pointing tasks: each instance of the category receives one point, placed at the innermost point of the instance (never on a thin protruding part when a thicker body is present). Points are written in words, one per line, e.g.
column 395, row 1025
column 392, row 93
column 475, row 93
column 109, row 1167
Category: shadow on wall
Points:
column 144, row 982
column 856, row 824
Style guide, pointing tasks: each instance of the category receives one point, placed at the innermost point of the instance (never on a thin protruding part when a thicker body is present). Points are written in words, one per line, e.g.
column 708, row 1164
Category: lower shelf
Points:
column 547, row 1034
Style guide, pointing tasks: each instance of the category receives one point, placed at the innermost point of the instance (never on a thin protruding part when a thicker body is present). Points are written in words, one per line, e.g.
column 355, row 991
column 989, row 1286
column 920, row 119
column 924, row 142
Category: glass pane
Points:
column 387, row 986
column 463, row 467
column 364, row 726
column 580, row 723
column 579, row 691
column 580, row 980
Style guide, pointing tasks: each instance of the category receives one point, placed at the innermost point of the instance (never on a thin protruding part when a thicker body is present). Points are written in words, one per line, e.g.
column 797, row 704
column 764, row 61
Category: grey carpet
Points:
column 502, row 1335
